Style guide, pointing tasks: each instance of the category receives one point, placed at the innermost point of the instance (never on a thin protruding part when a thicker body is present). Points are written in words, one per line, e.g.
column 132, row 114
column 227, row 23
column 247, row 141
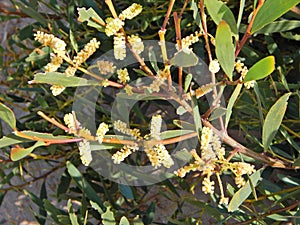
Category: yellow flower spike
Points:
column 123, row 75
column 131, row 12
column 136, row 43
column 85, row 152
column 101, row 131
column 113, row 25
column 119, row 46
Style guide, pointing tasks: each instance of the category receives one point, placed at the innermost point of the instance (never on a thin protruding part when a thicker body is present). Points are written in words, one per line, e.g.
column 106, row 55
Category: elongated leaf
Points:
column 19, row 153
column 153, row 60
column 56, row 78
column 225, row 48
column 72, row 215
column 279, row 26
column 273, row 120
column 7, row 115
column 32, row 13
column 197, row 117
column 126, row 191
column 261, row 69
column 83, row 184
column 231, row 102
column 270, row 11
column 241, row 195
column 184, row 58
column 217, row 113
column 87, row 15
column 187, row 82
column 11, row 140
column 96, row 207
column 219, row 11
column 196, row 14
column 174, row 133
column 53, row 212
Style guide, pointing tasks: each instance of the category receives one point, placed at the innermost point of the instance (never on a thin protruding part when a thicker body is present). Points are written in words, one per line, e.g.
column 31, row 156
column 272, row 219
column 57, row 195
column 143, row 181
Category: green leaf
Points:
column 184, row 58
column 149, row 215
column 126, row 191
column 217, row 113
column 279, row 26
column 56, row 78
column 270, row 11
column 32, row 13
column 83, row 184
column 52, row 211
column 241, row 195
column 108, row 217
column 197, row 117
column 273, row 120
column 7, row 115
column 224, row 48
column 196, row 15
column 153, row 60
column 87, row 15
column 187, row 82
column 72, row 215
column 19, row 153
column 231, row 102
column 124, row 221
column 11, row 140
column 96, row 207
column 219, row 11
column 261, row 69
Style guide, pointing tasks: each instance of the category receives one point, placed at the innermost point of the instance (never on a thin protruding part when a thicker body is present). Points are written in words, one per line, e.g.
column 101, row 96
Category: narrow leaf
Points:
column 219, row 11
column 56, row 78
column 184, row 58
column 231, row 102
column 153, row 60
column 87, row 15
column 197, row 117
column 270, row 11
column 19, row 153
column 83, row 184
column 32, row 13
column 72, row 215
column 126, row 191
column 11, row 140
column 261, row 69
column 279, row 26
column 224, row 48
column 7, row 115
column 187, row 82
column 241, row 195
column 273, row 120
column 196, row 14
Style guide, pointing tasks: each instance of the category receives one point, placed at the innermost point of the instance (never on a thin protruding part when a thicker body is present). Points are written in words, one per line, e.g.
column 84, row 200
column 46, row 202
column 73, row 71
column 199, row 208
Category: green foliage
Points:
column 258, row 126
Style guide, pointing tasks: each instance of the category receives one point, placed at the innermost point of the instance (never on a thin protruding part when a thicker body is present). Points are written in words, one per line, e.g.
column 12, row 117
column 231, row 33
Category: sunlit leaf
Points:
column 72, row 215
column 241, row 195
column 124, row 221
column 274, row 119
column 7, row 115
column 56, row 78
column 278, row 26
column 225, row 48
column 87, row 15
column 270, row 11
column 261, row 69
column 219, row 11
column 18, row 153
column 108, row 217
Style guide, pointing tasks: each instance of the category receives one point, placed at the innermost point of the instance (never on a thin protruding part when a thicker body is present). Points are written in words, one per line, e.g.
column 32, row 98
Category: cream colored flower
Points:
column 57, row 89
column 122, row 154
column 105, row 67
column 249, row 84
column 214, row 66
column 208, row 186
column 85, row 152
column 54, row 64
column 136, row 43
column 186, row 42
column 70, row 71
column 131, row 12
column 119, row 46
column 155, row 127
column 58, row 45
column 122, row 127
column 86, row 52
column 239, row 181
column 101, row 131
column 224, row 200
column 113, row 25
column 123, row 75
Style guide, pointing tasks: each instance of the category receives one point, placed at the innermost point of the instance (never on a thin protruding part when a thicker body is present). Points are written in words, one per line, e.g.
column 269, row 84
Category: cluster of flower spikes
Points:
column 59, row 48
column 212, row 161
column 114, row 27
column 84, row 146
column 157, row 153
column 243, row 70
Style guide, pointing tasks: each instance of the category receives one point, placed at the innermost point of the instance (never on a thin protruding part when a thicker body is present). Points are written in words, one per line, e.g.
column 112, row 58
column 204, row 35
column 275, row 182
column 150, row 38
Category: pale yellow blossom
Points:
column 123, row 75
column 136, row 43
column 85, row 152
column 214, row 66
column 119, row 46
column 101, row 131
column 113, row 25
column 57, row 89
column 131, row 12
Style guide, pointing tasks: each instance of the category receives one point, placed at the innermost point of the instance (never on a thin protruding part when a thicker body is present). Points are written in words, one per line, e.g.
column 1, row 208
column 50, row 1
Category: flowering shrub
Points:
column 120, row 107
